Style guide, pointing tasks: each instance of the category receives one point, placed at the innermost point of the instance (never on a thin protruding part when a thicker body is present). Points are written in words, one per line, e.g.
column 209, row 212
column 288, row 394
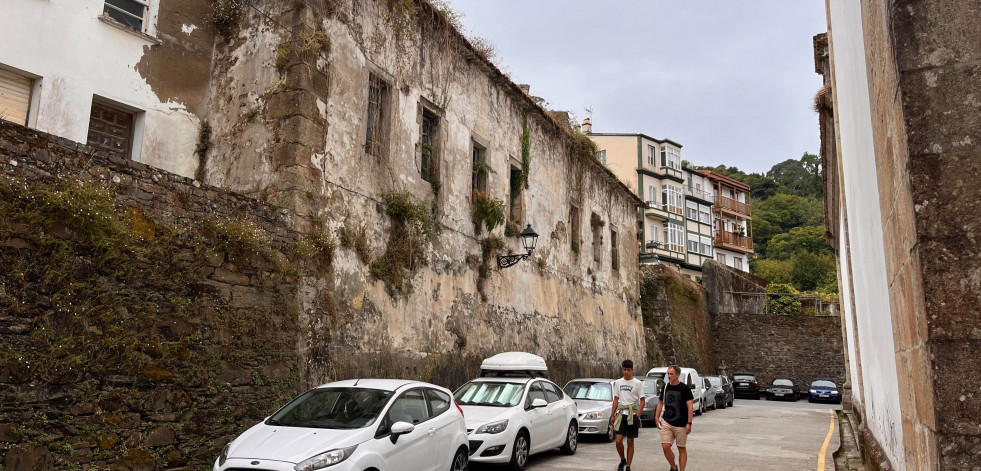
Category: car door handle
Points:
column 432, row 430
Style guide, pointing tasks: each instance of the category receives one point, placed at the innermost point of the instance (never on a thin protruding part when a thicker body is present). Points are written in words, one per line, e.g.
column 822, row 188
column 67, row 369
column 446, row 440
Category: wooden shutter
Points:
column 15, row 96
column 110, row 129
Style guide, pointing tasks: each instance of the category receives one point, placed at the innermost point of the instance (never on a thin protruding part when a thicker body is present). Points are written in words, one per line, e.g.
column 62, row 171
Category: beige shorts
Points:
column 671, row 434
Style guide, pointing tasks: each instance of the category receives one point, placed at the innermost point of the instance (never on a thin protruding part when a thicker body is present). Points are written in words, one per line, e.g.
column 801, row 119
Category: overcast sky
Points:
column 732, row 81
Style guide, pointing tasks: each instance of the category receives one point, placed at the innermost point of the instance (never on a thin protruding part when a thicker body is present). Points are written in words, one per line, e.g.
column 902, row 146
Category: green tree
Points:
column 800, row 177
column 773, row 271
column 799, row 239
column 812, row 271
column 781, row 213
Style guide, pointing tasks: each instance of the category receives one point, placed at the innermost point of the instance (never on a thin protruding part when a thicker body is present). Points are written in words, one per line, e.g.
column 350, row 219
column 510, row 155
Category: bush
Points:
column 487, row 211
column 784, row 299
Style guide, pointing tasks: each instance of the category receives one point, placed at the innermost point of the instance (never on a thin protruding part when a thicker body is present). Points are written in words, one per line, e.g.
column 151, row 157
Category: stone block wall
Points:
column 676, row 320
column 144, row 319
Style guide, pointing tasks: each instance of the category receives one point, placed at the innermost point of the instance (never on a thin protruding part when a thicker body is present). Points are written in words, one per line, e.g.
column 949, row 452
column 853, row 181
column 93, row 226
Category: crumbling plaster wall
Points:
column 73, row 56
column 583, row 316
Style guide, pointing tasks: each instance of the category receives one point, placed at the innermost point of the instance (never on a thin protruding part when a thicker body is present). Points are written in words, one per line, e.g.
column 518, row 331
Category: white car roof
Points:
column 514, row 361
column 505, row 379
column 376, row 383
column 664, row 369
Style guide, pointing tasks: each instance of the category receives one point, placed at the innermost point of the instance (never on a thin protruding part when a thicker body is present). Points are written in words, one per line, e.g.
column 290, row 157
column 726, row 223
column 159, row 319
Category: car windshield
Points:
column 783, row 382
column 715, row 380
column 744, row 378
column 823, row 384
column 588, row 390
column 650, row 386
column 340, row 408
column 663, row 376
column 486, row 393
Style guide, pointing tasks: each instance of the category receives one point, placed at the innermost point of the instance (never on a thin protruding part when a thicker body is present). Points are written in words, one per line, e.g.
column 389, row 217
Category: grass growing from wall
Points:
column 412, row 226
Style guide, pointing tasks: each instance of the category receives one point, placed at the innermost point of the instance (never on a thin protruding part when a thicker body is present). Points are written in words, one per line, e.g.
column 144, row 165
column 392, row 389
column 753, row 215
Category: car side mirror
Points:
column 538, row 403
column 401, row 428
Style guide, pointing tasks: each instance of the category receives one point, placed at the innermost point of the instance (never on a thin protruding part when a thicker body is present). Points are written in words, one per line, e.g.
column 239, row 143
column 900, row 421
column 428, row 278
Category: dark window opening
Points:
column 128, row 12
column 516, row 211
column 110, row 129
column 376, row 141
column 480, row 168
column 614, row 249
column 574, row 228
column 429, row 162
column 597, row 240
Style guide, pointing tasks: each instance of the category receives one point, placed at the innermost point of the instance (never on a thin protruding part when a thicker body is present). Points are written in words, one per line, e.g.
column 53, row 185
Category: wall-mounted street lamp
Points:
column 529, row 238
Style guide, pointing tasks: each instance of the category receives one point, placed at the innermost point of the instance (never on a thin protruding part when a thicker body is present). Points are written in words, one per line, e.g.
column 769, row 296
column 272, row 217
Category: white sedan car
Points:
column 356, row 425
column 511, row 418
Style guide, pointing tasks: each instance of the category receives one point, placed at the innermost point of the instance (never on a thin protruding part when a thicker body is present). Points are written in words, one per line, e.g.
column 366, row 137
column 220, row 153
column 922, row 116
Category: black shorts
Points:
column 627, row 430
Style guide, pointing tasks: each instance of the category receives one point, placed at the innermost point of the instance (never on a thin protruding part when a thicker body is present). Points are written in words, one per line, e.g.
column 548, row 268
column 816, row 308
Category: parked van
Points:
column 690, row 377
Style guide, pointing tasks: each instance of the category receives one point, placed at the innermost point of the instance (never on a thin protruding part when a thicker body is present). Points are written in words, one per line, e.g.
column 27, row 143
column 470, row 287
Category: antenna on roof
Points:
column 356, row 382
column 589, row 112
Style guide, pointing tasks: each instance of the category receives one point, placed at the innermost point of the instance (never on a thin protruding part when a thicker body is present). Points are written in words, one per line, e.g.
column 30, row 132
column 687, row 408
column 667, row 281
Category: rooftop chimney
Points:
column 587, row 126
column 525, row 88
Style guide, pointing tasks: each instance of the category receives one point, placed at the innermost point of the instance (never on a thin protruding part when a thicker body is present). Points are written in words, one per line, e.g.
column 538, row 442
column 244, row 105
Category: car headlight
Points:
column 814, row 391
column 325, row 459
column 833, row 392
column 593, row 415
column 496, row 427
column 224, row 454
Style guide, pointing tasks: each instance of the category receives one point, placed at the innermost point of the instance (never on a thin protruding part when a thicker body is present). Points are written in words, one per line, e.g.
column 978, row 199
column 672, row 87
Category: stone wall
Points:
column 144, row 319
column 676, row 320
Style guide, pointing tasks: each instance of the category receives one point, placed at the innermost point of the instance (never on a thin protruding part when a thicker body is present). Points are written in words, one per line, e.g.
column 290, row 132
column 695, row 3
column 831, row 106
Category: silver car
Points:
column 653, row 386
column 594, row 399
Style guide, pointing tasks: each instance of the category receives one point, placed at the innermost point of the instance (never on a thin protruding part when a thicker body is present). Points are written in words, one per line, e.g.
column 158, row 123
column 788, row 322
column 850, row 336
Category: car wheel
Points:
column 610, row 433
column 698, row 411
column 519, row 453
column 460, row 461
column 723, row 404
column 571, row 439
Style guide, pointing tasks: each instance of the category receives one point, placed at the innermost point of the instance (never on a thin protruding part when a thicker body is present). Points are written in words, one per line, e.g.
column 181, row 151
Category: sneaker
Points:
column 623, row 464
column 627, row 468
column 673, row 469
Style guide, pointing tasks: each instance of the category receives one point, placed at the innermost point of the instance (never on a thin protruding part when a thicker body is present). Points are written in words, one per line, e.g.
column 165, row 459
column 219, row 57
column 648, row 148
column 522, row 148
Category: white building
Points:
column 75, row 69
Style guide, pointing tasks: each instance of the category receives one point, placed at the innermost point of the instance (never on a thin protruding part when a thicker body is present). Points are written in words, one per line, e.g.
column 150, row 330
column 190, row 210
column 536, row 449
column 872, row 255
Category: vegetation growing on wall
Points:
column 202, row 148
column 119, row 306
column 412, row 226
column 226, row 14
column 525, row 152
column 486, row 212
column 783, row 299
column 488, row 248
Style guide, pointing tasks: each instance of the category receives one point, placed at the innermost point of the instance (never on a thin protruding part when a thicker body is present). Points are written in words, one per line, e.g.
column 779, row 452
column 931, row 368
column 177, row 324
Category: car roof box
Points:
column 514, row 364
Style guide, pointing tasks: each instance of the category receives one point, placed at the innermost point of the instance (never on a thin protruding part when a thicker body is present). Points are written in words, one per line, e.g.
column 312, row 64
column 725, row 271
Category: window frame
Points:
column 384, row 421
column 651, row 155
column 478, row 155
column 615, row 248
column 550, row 387
column 531, row 387
column 431, row 115
column 377, row 124
column 144, row 20
column 432, row 409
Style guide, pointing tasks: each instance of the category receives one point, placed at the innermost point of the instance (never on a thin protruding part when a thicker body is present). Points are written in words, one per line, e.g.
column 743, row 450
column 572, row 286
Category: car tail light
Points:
column 459, row 409
column 755, row 384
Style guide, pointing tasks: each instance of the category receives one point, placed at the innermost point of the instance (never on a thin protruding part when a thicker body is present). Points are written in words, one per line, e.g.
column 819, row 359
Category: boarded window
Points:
column 110, row 129
column 15, row 96
column 131, row 13
column 376, row 135
column 574, row 228
column 428, row 165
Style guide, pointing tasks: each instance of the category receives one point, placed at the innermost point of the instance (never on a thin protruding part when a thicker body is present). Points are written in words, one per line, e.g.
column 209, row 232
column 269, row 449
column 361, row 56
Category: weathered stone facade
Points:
column 905, row 80
column 293, row 130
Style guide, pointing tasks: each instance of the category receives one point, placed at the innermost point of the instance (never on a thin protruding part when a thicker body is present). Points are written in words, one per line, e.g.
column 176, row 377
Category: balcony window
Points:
column 672, row 198
column 131, row 13
column 693, row 244
column 651, row 156
column 670, row 157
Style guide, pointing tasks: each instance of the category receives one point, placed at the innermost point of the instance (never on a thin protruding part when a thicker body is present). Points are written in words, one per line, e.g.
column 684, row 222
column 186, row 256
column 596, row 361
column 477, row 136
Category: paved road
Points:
column 752, row 436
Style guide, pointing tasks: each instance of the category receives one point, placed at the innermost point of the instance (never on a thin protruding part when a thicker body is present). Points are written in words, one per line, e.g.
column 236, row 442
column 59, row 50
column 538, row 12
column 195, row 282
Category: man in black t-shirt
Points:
column 676, row 402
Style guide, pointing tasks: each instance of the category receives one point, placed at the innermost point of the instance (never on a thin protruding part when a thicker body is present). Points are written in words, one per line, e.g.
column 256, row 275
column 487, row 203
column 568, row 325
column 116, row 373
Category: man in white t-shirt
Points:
column 628, row 401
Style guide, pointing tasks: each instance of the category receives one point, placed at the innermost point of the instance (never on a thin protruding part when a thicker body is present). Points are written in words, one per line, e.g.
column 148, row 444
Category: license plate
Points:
column 824, row 395
column 743, row 384
column 778, row 394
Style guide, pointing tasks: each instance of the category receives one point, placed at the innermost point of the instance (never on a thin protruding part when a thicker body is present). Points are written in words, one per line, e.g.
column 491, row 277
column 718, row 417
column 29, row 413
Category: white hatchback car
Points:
column 355, row 425
column 513, row 412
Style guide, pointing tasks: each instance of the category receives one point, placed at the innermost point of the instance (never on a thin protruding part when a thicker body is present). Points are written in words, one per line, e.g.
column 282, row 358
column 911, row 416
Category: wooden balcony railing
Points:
column 731, row 239
column 702, row 194
column 732, row 205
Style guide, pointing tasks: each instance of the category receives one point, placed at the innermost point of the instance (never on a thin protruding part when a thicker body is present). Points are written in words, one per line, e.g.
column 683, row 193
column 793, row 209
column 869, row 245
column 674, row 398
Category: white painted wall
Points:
column 77, row 56
column 874, row 321
column 847, row 313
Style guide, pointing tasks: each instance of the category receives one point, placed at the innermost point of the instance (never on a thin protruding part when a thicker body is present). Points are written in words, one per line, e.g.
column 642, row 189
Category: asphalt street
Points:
column 751, row 436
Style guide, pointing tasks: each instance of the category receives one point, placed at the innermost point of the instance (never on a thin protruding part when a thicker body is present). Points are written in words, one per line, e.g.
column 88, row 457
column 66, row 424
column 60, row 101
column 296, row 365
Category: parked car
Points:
column 356, row 425
column 745, row 385
column 708, row 394
column 594, row 401
column 783, row 388
column 722, row 390
column 824, row 390
column 653, row 387
column 512, row 411
column 688, row 376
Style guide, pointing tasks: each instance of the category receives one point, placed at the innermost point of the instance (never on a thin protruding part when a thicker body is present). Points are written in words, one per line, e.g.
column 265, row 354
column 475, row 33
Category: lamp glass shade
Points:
column 529, row 238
